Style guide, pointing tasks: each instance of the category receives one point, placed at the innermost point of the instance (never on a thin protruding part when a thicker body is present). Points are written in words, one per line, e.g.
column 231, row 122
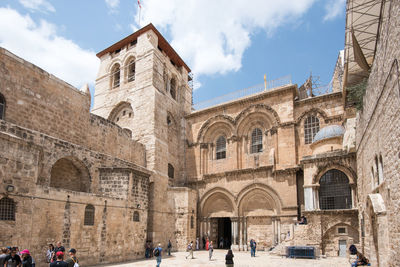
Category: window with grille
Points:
column 2, row 106
column 136, row 216
column 171, row 171
column 89, row 215
column 191, row 222
column 116, row 76
column 173, row 88
column 131, row 71
column 341, row 230
column 311, row 127
column 334, row 191
column 7, row 209
column 256, row 141
column 221, row 148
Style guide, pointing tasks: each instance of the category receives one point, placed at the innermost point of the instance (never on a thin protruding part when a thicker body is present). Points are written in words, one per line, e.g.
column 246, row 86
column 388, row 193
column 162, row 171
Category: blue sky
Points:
column 229, row 45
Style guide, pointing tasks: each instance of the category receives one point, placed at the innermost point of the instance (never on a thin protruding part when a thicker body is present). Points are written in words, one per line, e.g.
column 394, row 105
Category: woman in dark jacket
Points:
column 229, row 259
column 26, row 258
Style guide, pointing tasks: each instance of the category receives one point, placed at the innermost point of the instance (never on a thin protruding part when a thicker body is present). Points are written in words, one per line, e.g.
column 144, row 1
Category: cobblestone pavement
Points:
column 241, row 259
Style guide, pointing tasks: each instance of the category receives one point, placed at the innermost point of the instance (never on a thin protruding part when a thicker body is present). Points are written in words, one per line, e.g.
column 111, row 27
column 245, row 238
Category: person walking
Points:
column 253, row 246
column 72, row 258
column 190, row 249
column 221, row 242
column 204, row 243
column 229, row 258
column 210, row 250
column 49, row 253
column 157, row 253
column 197, row 243
column 59, row 260
column 169, row 247
column 207, row 243
column 12, row 260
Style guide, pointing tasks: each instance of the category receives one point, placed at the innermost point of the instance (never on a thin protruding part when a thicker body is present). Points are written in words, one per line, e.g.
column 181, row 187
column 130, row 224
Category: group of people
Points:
column 12, row 257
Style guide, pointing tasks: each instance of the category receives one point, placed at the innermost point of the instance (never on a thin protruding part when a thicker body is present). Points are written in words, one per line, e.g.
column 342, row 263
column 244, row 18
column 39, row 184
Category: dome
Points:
column 329, row 132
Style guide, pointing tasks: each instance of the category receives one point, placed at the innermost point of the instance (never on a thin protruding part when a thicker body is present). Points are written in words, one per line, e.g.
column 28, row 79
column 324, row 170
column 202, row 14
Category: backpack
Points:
column 156, row 252
column 75, row 263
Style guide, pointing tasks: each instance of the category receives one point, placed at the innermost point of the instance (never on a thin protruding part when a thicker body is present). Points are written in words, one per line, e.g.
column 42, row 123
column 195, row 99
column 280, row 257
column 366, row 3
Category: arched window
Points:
column 136, row 216
column 171, row 171
column 115, row 75
column 7, row 209
column 256, row 141
column 2, row 106
column 191, row 222
column 334, row 191
column 131, row 68
column 89, row 215
column 221, row 147
column 173, row 88
column 311, row 127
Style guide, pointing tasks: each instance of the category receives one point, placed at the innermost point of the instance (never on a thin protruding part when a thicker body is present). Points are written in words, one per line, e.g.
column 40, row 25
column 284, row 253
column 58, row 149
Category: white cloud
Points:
column 40, row 44
column 334, row 8
column 213, row 35
column 38, row 5
column 112, row 5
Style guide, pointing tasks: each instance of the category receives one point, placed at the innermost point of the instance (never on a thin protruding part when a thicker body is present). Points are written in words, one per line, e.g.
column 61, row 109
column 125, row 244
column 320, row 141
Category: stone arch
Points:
column 217, row 202
column 222, row 120
column 71, row 174
column 244, row 197
column 314, row 111
column 122, row 114
column 115, row 75
column 271, row 114
column 351, row 175
column 129, row 67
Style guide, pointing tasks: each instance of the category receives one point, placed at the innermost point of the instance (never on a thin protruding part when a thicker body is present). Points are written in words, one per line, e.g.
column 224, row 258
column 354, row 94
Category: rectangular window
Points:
column 341, row 230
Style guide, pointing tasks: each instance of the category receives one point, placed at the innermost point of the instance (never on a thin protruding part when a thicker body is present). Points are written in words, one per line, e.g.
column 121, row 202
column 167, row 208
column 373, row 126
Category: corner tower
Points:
column 142, row 86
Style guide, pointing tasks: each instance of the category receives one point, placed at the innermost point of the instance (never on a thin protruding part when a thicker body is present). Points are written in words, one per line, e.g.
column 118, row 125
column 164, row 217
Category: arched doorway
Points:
column 217, row 212
column 71, row 174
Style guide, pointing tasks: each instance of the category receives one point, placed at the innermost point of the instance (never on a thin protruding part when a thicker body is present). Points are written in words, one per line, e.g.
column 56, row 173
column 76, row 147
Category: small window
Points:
column 311, row 127
column 341, row 230
column 191, row 222
column 256, row 141
column 89, row 215
column 134, row 42
column 2, row 106
column 221, row 148
column 169, row 121
column 136, row 216
column 380, row 170
column 171, row 171
column 173, row 88
column 7, row 209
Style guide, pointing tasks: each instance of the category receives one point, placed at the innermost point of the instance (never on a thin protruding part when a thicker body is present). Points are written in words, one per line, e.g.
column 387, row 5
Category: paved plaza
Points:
column 242, row 259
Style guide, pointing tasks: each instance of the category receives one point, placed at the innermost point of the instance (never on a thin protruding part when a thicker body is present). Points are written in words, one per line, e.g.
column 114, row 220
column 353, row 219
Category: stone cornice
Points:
column 317, row 99
column 329, row 156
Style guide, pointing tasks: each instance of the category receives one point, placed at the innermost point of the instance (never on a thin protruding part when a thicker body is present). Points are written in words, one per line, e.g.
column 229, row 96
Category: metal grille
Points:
column 2, row 107
column 131, row 71
column 221, row 147
column 173, row 88
column 7, row 209
column 136, row 216
column 256, row 141
column 89, row 215
column 116, row 74
column 334, row 191
column 171, row 171
column 311, row 127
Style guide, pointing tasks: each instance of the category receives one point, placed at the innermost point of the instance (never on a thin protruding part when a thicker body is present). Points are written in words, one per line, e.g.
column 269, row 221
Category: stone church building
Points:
column 146, row 164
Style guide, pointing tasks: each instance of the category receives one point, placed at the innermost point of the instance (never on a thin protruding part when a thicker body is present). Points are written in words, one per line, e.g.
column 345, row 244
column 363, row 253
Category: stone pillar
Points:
column 308, row 198
column 245, row 233
column 208, row 227
column 201, row 228
column 353, row 196
column 240, row 233
column 279, row 230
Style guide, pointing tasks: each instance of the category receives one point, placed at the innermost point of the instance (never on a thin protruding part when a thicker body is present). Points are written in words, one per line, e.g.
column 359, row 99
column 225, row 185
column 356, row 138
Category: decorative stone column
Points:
column 245, row 233
column 240, row 220
column 279, row 230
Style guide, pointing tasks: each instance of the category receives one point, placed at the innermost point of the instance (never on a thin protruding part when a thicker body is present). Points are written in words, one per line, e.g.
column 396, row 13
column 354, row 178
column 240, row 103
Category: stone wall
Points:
column 377, row 138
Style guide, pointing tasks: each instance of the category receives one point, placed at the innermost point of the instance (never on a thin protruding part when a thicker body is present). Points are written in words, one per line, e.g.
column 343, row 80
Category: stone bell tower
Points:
column 142, row 85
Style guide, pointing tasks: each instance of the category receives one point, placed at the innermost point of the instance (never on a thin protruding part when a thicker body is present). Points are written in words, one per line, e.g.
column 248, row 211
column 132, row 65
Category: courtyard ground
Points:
column 241, row 259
